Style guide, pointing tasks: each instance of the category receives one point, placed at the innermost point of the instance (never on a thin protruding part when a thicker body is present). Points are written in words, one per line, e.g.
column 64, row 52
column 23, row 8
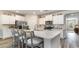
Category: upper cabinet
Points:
column 41, row 20
column 48, row 18
column 19, row 18
column 4, row 19
column 58, row 19
column 7, row 19
column 10, row 19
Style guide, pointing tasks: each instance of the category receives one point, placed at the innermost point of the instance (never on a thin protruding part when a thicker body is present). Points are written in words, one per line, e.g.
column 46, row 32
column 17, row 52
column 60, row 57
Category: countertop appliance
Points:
column 49, row 25
column 21, row 25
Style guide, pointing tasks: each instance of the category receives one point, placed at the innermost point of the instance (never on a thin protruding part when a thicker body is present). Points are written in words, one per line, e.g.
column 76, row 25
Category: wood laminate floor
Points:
column 5, row 43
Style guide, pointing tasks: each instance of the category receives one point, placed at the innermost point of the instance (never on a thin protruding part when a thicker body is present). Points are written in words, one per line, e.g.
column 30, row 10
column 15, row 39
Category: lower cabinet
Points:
column 5, row 33
column 1, row 33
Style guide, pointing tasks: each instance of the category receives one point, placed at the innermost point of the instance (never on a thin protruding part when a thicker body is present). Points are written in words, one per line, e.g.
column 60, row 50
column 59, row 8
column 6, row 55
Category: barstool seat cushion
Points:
column 36, row 41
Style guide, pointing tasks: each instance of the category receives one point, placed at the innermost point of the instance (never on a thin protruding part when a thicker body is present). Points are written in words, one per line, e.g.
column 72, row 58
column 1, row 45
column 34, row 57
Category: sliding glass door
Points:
column 70, row 23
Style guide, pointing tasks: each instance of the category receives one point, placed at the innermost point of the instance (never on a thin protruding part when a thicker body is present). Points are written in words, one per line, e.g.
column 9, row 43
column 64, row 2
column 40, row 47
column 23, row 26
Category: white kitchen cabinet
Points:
column 41, row 20
column 4, row 19
column 48, row 18
column 12, row 20
column 19, row 18
column 7, row 19
column 6, row 33
column 58, row 19
column 1, row 33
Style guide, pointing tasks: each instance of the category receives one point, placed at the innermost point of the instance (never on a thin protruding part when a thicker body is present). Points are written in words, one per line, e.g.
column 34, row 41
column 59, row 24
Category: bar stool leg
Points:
column 19, row 44
column 26, row 44
column 31, row 43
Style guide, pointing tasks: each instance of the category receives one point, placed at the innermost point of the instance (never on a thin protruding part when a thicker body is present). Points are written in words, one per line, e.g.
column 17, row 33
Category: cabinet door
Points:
column 12, row 20
column 48, row 18
column 55, row 20
column 19, row 18
column 6, row 33
column 61, row 19
column 42, row 21
column 58, row 19
column 5, row 19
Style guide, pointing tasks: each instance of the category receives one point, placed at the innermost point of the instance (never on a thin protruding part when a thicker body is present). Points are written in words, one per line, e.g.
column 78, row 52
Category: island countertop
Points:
column 51, row 37
column 48, row 34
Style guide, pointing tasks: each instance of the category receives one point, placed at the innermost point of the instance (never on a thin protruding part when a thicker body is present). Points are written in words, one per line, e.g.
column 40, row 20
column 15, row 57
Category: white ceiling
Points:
column 37, row 12
column 41, row 12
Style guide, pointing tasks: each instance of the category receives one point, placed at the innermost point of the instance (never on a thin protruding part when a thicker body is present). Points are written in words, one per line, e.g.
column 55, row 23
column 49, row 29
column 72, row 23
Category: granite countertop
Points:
column 48, row 34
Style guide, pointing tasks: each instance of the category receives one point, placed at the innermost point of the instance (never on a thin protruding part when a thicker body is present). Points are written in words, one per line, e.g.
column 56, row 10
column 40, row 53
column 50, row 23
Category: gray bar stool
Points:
column 24, row 38
column 35, row 42
column 15, row 38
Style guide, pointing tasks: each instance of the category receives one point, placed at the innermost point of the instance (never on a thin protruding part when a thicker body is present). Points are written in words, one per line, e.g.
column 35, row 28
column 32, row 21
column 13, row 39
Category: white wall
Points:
column 31, row 20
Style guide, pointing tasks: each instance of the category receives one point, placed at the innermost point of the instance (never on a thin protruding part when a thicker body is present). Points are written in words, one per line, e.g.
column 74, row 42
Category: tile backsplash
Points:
column 39, row 27
column 59, row 26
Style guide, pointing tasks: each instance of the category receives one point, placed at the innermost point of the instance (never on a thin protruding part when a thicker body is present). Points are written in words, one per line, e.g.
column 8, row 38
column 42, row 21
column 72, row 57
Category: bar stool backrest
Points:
column 32, row 34
column 15, row 33
column 24, row 34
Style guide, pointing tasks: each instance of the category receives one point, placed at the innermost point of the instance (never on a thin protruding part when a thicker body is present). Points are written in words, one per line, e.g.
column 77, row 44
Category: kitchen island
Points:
column 51, row 38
